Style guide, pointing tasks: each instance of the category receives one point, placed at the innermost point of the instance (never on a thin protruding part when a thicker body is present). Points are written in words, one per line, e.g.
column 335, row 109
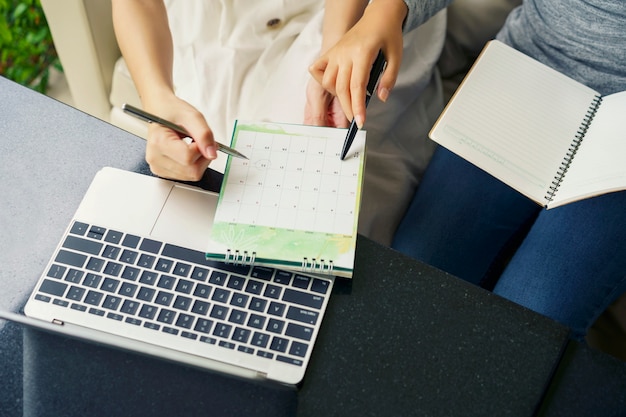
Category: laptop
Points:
column 130, row 271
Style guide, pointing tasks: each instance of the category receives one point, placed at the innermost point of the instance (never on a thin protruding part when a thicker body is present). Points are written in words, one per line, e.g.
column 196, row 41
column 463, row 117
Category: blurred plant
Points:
column 26, row 50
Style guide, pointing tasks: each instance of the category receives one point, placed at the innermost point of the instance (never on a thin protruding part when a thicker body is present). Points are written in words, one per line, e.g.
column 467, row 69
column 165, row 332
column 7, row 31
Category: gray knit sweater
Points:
column 584, row 39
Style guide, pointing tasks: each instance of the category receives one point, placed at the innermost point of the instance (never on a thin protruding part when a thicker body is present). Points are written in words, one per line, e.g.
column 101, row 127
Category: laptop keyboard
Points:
column 138, row 281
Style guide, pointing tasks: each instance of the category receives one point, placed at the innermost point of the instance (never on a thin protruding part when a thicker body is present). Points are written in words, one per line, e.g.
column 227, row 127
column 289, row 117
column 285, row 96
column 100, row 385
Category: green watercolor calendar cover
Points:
column 294, row 203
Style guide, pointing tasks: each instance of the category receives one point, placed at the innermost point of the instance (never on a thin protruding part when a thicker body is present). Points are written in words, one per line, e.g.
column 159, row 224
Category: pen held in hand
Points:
column 150, row 118
column 377, row 70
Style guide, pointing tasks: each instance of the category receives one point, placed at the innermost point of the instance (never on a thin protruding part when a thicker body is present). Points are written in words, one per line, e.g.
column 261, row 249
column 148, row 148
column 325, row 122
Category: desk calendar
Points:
column 294, row 203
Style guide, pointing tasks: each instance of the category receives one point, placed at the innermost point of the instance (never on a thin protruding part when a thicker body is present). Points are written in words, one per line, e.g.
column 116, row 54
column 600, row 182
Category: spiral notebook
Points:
column 548, row 136
column 294, row 203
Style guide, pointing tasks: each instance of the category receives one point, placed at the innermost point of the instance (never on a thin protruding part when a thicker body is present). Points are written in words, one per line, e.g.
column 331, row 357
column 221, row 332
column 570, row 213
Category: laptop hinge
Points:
column 57, row 321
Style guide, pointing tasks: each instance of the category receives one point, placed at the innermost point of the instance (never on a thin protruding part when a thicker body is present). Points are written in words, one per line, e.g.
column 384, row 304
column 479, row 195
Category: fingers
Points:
column 170, row 157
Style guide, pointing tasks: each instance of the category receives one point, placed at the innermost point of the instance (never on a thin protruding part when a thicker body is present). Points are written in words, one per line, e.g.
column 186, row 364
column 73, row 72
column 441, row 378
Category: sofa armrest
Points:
column 84, row 38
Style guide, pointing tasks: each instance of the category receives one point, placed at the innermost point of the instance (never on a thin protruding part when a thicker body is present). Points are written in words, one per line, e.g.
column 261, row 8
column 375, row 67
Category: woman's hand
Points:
column 322, row 108
column 344, row 69
column 168, row 155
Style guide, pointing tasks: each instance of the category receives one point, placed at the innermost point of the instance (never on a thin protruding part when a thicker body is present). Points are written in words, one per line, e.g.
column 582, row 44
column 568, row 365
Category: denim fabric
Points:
column 568, row 263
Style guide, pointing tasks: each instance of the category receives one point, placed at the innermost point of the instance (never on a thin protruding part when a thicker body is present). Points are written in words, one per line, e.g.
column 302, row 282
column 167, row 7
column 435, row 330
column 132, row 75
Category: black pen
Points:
column 151, row 118
column 375, row 73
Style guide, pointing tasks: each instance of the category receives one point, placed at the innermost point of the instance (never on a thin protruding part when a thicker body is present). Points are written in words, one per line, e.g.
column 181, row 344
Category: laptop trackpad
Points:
column 186, row 218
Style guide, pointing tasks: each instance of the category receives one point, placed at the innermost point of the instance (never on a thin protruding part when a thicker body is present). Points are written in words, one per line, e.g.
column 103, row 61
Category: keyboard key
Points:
column 241, row 335
column 286, row 359
column 170, row 330
column 114, row 316
column 131, row 241
column 302, row 298
column 129, row 256
column 320, row 286
column 164, row 298
column 96, row 232
column 74, row 276
column 236, row 282
column 181, row 269
column 260, row 339
column 279, row 344
column 56, row 271
column 78, row 307
column 283, row 277
column 166, row 282
column 276, row 309
column 146, row 294
column 256, row 321
column 220, row 295
column 262, row 272
column 95, row 264
column 200, row 274
column 53, row 287
column 75, row 293
column 93, row 298
column 197, row 257
column 133, row 321
column 164, row 265
column 146, row 261
column 188, row 335
column 264, row 354
column 254, row 287
column 71, row 258
column 152, row 326
column 110, row 285
column 239, row 300
column 111, row 252
column 82, row 245
column 92, row 280
column 299, row 332
column 301, row 281
column 226, row 345
column 113, row 236
column 237, row 316
column 61, row 303
column 166, row 316
column 203, row 325
column 128, row 289
column 79, row 228
column 130, row 273
column 182, row 303
column 222, row 330
column 111, row 302
column 275, row 326
column 129, row 307
column 302, row 315
column 113, row 268
column 149, row 245
column 272, row 291
column 200, row 307
column 148, row 277
column 219, row 312
column 43, row 298
column 147, row 312
column 218, row 278
column 258, row 304
column 96, row 311
column 202, row 291
column 245, row 349
column 184, row 286
column 185, row 321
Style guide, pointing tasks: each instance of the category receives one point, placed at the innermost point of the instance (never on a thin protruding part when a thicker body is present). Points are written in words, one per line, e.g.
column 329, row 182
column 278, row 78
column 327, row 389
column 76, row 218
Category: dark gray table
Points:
column 401, row 338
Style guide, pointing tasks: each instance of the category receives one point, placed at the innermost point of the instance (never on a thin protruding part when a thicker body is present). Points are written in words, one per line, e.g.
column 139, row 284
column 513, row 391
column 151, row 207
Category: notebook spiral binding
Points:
column 571, row 152
column 239, row 257
column 317, row 266
column 247, row 258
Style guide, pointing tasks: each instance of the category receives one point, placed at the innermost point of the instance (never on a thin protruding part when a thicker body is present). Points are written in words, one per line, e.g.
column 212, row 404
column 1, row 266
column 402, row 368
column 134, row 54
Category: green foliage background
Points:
column 26, row 50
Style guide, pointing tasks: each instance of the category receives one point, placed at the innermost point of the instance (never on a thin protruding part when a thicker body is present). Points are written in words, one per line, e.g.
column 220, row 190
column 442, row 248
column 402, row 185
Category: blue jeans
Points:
column 567, row 263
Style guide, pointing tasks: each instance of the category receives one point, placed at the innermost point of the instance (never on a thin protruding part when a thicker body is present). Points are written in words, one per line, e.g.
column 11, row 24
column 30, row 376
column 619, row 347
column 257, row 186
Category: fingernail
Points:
column 211, row 151
column 383, row 94
column 359, row 121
